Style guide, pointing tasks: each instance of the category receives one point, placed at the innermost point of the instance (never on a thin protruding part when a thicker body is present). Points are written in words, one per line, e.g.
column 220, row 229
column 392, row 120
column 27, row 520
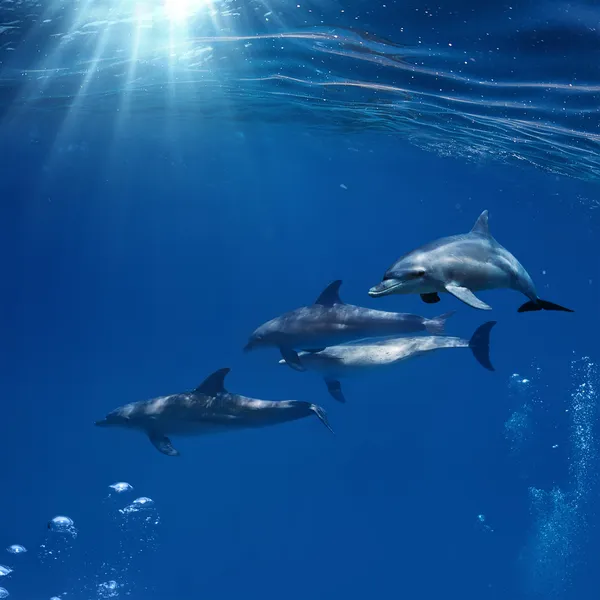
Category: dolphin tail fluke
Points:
column 322, row 416
column 436, row 325
column 542, row 305
column 480, row 345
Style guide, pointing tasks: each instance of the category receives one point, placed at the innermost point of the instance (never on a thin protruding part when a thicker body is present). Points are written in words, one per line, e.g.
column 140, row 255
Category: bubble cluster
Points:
column 560, row 517
column 524, row 396
column 553, row 542
column 132, row 532
column 108, row 589
column 584, row 409
column 517, row 428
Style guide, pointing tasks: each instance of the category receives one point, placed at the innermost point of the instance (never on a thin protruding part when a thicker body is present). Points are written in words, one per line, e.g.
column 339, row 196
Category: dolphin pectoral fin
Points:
column 467, row 296
column 322, row 416
column 542, row 305
column 432, row 298
column 162, row 443
column 292, row 359
column 334, row 387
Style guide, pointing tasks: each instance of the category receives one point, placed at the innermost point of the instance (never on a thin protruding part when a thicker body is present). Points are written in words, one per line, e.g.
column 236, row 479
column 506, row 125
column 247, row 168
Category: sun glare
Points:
column 178, row 11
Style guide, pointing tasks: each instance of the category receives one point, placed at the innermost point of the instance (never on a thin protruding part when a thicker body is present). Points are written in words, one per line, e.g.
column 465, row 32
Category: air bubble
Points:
column 61, row 524
column 121, row 486
column 143, row 501
column 138, row 504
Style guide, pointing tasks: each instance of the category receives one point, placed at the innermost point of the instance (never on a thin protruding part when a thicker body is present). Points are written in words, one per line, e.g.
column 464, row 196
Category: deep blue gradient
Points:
column 137, row 259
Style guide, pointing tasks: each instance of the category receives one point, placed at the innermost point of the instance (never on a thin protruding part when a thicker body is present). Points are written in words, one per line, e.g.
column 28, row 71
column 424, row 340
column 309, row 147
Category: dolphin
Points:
column 329, row 321
column 350, row 359
column 460, row 265
column 210, row 408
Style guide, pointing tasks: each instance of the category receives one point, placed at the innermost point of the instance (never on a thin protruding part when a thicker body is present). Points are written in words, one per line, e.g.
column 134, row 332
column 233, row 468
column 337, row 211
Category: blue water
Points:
column 174, row 174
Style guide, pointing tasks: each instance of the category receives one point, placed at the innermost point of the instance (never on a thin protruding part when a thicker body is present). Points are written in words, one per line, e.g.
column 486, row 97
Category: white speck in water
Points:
column 481, row 519
column 555, row 446
column 543, row 272
column 343, row 186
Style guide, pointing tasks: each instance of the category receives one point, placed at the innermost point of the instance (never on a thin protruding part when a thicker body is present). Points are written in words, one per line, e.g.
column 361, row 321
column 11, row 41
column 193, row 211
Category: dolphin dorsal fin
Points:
column 213, row 384
column 481, row 225
column 331, row 294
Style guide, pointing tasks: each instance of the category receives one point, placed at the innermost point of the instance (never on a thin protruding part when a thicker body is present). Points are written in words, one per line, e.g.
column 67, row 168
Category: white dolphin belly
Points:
column 344, row 360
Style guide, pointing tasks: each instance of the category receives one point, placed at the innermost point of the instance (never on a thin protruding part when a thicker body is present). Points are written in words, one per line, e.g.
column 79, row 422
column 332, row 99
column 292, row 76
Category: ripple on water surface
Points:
column 479, row 83
column 16, row 549
column 3, row 593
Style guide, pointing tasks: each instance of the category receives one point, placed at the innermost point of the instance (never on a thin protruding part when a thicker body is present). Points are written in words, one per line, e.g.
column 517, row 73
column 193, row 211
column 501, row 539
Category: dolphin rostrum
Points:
column 207, row 409
column 460, row 265
column 350, row 359
column 329, row 321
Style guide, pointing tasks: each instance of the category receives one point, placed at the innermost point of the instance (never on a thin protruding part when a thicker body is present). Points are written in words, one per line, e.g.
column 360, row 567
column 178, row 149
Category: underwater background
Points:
column 175, row 173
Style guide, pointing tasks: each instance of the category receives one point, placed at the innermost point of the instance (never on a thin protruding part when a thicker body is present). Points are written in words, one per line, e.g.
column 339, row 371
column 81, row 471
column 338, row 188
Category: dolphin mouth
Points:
column 248, row 347
column 101, row 423
column 384, row 288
